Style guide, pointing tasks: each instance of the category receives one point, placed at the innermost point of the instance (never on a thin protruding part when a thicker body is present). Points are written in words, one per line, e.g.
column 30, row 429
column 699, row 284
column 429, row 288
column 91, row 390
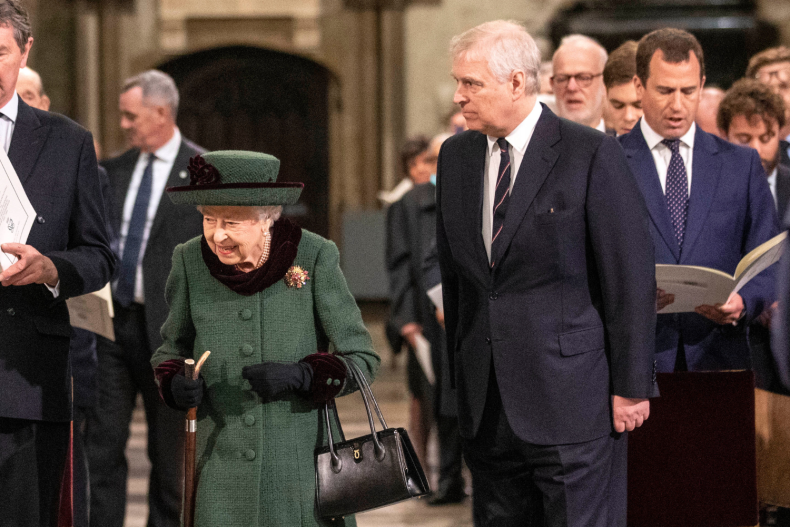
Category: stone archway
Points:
column 246, row 98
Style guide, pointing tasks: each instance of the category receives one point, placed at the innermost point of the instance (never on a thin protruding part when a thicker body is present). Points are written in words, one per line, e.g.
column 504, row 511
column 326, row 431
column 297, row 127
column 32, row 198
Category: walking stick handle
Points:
column 192, row 370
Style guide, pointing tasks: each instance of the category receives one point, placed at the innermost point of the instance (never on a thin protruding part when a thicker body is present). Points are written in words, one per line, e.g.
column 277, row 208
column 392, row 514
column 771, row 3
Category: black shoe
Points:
column 447, row 496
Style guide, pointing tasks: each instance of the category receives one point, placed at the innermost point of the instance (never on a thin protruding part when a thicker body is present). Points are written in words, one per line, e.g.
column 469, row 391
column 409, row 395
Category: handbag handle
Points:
column 365, row 391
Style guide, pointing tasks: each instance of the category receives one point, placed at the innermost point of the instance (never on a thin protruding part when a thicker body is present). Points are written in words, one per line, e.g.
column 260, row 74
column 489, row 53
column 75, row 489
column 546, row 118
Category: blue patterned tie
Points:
column 677, row 190
column 501, row 194
column 124, row 291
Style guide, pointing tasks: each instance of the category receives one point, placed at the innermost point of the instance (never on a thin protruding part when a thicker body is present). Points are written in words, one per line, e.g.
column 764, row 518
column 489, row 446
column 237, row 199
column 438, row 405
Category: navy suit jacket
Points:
column 567, row 316
column 730, row 212
column 173, row 224
column 55, row 160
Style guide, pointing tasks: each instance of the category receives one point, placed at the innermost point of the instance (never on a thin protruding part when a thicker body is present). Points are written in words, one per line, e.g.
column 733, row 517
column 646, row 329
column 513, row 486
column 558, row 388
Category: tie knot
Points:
column 502, row 142
column 672, row 144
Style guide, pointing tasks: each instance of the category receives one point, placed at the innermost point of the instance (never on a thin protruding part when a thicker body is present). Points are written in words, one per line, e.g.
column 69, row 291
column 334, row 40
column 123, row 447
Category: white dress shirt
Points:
column 517, row 146
column 8, row 115
column 772, row 185
column 601, row 126
column 662, row 154
column 163, row 164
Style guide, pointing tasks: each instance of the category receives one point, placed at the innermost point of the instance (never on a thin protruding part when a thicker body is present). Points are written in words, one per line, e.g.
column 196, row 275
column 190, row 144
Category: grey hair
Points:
column 506, row 45
column 13, row 15
column 265, row 212
column 583, row 41
column 158, row 87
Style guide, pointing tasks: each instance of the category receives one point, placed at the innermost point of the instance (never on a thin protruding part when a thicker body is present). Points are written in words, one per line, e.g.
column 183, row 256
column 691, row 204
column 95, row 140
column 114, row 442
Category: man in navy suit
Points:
column 67, row 254
column 709, row 204
column 549, row 293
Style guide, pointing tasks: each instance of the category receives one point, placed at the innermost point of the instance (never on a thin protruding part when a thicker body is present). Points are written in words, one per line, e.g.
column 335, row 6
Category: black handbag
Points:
column 367, row 472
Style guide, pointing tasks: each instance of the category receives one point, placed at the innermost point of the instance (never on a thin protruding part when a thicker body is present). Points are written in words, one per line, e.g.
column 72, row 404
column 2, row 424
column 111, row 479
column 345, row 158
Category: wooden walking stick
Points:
column 191, row 371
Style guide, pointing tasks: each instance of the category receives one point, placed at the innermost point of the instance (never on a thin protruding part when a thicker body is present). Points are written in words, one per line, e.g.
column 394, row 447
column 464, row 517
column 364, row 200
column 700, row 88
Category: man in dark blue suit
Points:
column 67, row 254
column 549, row 293
column 709, row 204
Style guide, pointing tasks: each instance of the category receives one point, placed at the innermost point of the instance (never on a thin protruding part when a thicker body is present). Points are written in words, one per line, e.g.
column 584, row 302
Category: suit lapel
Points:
column 535, row 167
column 782, row 189
column 27, row 141
column 174, row 179
column 646, row 175
column 704, row 179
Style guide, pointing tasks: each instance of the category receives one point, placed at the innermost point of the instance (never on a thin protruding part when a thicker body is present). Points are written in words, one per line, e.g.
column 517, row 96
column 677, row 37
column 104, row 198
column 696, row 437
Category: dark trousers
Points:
column 450, row 454
column 519, row 484
column 32, row 459
column 124, row 371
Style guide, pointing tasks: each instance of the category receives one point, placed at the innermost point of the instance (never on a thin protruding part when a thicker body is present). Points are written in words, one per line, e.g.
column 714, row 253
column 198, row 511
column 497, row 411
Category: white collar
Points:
column 601, row 126
column 168, row 151
column 11, row 109
column 653, row 139
column 520, row 136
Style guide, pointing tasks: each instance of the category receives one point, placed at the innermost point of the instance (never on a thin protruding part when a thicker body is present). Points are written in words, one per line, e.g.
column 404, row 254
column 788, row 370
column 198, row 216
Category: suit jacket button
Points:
column 41, row 219
column 493, row 295
column 488, row 340
column 246, row 314
column 11, row 311
column 250, row 455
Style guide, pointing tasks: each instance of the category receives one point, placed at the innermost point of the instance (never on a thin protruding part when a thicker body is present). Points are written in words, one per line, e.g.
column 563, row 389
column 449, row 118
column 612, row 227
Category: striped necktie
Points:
column 501, row 194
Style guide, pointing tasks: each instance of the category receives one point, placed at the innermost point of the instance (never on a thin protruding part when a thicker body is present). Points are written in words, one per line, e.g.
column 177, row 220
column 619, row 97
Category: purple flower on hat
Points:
column 202, row 173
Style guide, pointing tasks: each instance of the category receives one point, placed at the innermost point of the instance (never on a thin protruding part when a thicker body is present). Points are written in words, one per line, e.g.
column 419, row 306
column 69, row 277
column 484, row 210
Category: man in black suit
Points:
column 548, row 282
column 67, row 254
column 149, row 228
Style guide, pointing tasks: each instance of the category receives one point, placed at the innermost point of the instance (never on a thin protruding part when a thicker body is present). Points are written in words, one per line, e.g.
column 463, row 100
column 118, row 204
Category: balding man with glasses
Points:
column 578, row 81
column 772, row 67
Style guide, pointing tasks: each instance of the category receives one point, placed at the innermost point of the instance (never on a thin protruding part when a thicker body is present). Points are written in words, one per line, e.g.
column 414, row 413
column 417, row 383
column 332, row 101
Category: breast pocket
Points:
column 553, row 216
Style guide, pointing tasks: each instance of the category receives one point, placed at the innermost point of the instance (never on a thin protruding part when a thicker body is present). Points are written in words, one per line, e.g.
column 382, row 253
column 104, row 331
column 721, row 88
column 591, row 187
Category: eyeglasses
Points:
column 782, row 75
column 582, row 79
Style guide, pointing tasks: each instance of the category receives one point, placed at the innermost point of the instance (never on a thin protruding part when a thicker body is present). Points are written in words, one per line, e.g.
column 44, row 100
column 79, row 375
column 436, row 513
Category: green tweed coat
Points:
column 255, row 461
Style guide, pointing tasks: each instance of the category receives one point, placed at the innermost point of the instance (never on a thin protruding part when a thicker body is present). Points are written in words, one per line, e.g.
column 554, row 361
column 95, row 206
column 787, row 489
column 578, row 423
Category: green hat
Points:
column 235, row 178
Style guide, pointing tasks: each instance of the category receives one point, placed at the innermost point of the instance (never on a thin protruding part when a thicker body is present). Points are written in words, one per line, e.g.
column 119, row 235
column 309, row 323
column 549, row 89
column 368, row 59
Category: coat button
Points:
column 250, row 455
column 246, row 350
column 493, row 295
column 249, row 420
column 488, row 340
column 11, row 311
column 246, row 314
column 41, row 219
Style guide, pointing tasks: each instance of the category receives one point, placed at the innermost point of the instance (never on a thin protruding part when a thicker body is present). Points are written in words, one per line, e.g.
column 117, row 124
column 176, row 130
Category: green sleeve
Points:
column 340, row 317
column 178, row 332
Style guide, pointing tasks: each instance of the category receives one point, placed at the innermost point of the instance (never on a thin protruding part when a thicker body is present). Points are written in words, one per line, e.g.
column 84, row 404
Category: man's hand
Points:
column 767, row 315
column 440, row 317
column 410, row 332
column 663, row 299
column 728, row 313
column 31, row 268
column 629, row 413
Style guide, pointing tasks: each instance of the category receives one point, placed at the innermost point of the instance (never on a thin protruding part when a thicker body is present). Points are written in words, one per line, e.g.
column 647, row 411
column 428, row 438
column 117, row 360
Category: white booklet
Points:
column 93, row 312
column 696, row 286
column 16, row 213
column 422, row 350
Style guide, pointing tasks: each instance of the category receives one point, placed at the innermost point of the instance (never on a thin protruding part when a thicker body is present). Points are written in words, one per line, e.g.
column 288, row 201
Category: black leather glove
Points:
column 272, row 379
column 186, row 392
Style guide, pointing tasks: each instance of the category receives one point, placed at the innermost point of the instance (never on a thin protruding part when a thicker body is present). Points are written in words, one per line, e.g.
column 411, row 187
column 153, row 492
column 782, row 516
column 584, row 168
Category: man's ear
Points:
column 26, row 53
column 45, row 102
column 518, row 83
column 640, row 89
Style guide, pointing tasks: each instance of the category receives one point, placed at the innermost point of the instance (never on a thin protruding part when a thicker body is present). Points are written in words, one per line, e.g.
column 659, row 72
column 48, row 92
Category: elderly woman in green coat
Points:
column 267, row 299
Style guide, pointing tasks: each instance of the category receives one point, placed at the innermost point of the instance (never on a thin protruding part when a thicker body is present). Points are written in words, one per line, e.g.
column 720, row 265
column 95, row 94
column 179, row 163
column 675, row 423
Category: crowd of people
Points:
column 567, row 292
column 521, row 253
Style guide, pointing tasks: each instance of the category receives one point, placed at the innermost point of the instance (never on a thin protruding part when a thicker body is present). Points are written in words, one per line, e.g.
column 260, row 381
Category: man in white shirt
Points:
column 577, row 81
column 149, row 227
column 708, row 200
column 548, row 290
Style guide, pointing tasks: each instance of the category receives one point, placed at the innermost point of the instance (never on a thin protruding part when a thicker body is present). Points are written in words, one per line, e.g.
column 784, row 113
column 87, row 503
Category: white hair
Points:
column 583, row 41
column 265, row 212
column 506, row 45
column 158, row 88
